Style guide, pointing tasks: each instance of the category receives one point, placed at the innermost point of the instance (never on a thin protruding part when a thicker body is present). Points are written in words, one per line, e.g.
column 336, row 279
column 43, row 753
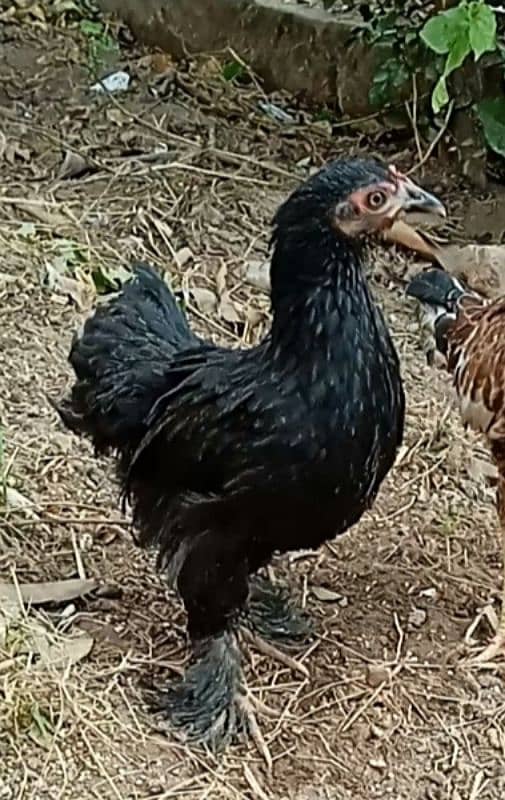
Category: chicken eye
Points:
column 376, row 199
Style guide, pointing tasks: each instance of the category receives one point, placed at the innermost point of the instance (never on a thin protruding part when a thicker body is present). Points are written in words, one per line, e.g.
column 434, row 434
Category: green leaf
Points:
column 482, row 31
column 492, row 116
column 436, row 35
column 388, row 80
column 440, row 96
column 109, row 279
column 232, row 70
column 442, row 31
column 460, row 48
column 90, row 28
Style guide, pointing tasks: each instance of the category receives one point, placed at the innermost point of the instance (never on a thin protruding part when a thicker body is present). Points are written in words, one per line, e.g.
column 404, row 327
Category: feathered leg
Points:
column 496, row 647
column 209, row 704
column 271, row 613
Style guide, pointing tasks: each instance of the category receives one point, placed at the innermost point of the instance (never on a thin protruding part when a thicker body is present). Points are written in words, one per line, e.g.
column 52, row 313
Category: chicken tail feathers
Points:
column 438, row 294
column 436, row 288
column 122, row 360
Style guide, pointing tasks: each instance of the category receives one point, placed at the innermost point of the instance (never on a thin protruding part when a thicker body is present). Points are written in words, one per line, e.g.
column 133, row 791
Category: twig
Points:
column 101, row 767
column 174, row 137
column 213, row 173
column 435, row 141
column 361, row 710
column 254, row 785
column 401, row 636
column 412, row 114
column 78, row 558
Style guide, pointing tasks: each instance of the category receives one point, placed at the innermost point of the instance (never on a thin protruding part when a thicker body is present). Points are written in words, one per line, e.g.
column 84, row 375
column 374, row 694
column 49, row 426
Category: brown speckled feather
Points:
column 470, row 332
column 476, row 358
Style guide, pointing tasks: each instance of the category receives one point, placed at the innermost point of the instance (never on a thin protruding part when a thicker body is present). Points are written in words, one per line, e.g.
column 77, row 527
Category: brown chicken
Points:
column 469, row 332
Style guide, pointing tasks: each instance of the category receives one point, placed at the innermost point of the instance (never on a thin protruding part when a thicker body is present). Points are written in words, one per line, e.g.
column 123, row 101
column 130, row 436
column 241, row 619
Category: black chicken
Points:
column 227, row 456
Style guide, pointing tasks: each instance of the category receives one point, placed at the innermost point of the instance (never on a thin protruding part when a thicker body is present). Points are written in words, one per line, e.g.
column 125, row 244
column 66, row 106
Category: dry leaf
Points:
column 63, row 651
column 104, row 632
column 50, row 592
column 204, row 299
column 183, row 255
column 81, row 289
column 481, row 470
column 258, row 274
column 325, row 595
column 227, row 309
column 73, row 165
column 221, row 280
column 12, row 151
column 6, row 279
column 161, row 62
column 254, row 316
column 14, row 499
column 40, row 211
column 9, row 613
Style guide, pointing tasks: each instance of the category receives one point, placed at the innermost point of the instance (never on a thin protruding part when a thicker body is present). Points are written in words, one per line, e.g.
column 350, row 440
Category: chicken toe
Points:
column 271, row 613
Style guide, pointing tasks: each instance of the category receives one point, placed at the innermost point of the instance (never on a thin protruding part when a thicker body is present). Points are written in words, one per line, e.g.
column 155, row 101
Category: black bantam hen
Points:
column 227, row 456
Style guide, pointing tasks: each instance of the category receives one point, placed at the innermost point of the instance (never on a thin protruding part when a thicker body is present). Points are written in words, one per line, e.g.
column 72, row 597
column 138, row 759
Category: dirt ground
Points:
column 184, row 170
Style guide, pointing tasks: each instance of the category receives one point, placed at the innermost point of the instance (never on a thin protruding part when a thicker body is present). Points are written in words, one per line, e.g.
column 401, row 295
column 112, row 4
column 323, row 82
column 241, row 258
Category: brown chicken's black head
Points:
column 355, row 197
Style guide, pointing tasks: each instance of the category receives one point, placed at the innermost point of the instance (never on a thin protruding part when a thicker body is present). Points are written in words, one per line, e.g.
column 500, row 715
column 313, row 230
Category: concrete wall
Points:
column 305, row 51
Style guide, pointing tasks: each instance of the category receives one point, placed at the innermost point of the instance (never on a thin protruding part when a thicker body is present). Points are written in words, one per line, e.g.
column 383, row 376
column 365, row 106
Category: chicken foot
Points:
column 496, row 648
column 209, row 703
column 271, row 613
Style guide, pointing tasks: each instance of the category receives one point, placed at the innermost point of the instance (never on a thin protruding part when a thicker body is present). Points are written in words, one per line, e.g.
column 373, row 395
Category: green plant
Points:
column 233, row 70
column 415, row 39
column 393, row 31
column 469, row 28
column 101, row 45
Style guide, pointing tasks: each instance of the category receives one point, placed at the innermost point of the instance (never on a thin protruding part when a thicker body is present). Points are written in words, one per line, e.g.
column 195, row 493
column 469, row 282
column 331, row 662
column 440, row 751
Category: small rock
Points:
column 494, row 738
column 325, row 595
column 376, row 674
column 109, row 590
column 431, row 593
column 377, row 732
column 417, row 617
column 378, row 763
column 183, row 255
column 437, row 777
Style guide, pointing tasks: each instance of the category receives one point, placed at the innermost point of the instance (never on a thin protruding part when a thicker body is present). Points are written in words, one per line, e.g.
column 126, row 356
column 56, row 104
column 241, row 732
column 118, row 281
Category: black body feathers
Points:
column 436, row 288
column 230, row 455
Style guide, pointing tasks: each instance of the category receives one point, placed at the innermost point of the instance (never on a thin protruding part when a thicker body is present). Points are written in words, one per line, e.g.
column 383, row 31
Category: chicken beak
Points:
column 418, row 204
